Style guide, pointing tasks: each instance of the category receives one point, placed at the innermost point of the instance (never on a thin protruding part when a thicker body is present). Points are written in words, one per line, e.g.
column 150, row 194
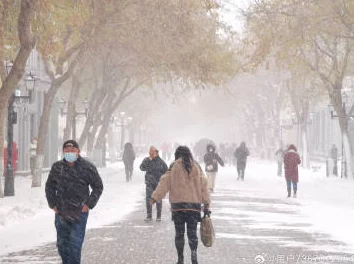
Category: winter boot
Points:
column 294, row 195
column 194, row 256
column 148, row 218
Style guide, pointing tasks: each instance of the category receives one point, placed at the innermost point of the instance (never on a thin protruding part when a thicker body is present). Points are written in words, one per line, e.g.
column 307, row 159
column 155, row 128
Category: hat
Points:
column 291, row 146
column 70, row 143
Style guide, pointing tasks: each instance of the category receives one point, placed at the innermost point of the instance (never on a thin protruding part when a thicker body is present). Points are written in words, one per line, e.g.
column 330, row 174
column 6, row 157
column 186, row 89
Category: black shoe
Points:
column 148, row 219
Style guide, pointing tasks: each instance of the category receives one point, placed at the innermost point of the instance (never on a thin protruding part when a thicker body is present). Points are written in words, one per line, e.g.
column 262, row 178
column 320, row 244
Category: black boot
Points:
column 194, row 256
column 289, row 193
column 180, row 256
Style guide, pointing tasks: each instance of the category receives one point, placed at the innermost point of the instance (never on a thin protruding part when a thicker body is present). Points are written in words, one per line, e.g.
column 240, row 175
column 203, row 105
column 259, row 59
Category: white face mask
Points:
column 70, row 156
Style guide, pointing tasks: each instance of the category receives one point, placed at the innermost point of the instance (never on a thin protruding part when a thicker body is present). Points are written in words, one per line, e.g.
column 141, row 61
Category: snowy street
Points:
column 254, row 222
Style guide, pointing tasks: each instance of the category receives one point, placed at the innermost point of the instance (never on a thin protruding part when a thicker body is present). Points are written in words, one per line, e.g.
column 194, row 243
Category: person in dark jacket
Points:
column 128, row 160
column 154, row 167
column 334, row 156
column 188, row 190
column 291, row 163
column 211, row 160
column 68, row 194
column 241, row 155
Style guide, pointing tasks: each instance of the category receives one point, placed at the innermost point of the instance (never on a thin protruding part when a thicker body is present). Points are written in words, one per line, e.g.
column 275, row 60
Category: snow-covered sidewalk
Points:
column 26, row 220
column 326, row 202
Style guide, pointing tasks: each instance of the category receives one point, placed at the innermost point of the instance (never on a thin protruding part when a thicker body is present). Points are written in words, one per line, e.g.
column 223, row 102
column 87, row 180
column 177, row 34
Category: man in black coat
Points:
column 68, row 194
column 211, row 160
column 154, row 167
column 241, row 155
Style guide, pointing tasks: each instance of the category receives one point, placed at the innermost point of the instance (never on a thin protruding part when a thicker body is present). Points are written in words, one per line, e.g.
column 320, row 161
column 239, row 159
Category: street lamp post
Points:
column 62, row 104
column 9, row 189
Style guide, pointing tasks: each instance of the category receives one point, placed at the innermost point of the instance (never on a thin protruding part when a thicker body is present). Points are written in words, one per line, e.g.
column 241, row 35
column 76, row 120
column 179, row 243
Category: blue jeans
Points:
column 288, row 185
column 70, row 237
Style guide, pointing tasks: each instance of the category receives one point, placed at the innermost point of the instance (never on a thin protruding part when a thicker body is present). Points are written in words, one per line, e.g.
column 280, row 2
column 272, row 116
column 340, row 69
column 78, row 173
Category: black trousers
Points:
column 149, row 190
column 181, row 220
column 128, row 171
column 241, row 167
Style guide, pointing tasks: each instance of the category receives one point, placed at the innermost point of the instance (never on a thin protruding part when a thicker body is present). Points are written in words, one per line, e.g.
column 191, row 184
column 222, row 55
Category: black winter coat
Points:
column 67, row 188
column 154, row 169
column 241, row 155
column 211, row 160
column 128, row 156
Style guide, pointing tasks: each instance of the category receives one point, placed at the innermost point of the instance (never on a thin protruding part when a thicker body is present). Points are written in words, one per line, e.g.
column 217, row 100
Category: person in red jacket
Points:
column 291, row 163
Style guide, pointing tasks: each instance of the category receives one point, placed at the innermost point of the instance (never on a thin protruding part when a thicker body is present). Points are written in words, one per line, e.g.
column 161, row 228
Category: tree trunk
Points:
column 42, row 132
column 348, row 156
column 304, row 143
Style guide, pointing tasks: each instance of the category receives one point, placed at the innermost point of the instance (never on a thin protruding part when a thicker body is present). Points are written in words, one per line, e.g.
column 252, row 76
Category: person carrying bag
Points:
column 188, row 190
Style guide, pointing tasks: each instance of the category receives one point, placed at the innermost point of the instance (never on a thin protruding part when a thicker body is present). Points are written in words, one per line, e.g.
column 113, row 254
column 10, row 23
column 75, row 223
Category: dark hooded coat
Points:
column 212, row 159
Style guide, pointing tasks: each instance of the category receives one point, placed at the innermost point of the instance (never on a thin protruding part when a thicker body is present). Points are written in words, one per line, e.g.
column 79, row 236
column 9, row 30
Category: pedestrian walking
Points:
column 334, row 156
column 68, row 194
column 241, row 154
column 280, row 160
column 33, row 153
column 154, row 168
column 291, row 163
column 211, row 160
column 128, row 160
column 188, row 190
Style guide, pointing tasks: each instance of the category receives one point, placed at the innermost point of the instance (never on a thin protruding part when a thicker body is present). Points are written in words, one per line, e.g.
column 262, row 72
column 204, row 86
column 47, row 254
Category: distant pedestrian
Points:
column 128, row 160
column 291, row 163
column 334, row 156
column 154, row 167
column 241, row 154
column 211, row 160
column 68, row 194
column 33, row 153
column 280, row 160
column 188, row 190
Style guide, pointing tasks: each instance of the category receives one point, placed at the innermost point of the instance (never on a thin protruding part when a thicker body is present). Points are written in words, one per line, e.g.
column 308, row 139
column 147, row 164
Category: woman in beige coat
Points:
column 188, row 188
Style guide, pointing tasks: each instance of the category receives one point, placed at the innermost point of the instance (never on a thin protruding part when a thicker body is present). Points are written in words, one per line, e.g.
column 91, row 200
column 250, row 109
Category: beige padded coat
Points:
column 186, row 192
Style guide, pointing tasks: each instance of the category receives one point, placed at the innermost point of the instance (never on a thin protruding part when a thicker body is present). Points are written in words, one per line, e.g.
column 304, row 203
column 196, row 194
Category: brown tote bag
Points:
column 207, row 233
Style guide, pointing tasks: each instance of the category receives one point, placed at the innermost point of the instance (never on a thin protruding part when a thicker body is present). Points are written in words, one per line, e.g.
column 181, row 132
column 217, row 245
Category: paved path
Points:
column 250, row 229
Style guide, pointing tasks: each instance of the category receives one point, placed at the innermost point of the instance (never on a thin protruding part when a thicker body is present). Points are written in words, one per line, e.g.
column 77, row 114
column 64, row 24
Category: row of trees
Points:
column 308, row 45
column 107, row 51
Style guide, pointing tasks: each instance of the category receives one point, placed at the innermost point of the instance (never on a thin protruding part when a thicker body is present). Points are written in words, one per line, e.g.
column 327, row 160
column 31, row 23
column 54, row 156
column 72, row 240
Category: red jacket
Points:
column 291, row 162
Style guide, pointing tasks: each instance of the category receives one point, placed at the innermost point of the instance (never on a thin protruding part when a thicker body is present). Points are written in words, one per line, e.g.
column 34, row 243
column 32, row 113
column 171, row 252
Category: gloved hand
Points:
column 206, row 211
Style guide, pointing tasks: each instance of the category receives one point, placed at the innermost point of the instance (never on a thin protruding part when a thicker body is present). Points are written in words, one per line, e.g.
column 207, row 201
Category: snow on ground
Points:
column 26, row 221
column 326, row 204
